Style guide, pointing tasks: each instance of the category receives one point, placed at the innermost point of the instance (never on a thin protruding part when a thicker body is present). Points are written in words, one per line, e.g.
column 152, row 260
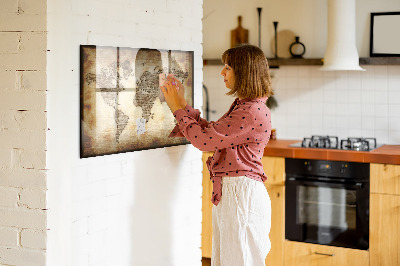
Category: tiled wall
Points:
column 344, row 103
column 313, row 102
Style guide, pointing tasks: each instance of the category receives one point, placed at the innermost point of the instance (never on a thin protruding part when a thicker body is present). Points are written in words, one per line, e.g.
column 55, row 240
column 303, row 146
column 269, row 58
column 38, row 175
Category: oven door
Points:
column 327, row 213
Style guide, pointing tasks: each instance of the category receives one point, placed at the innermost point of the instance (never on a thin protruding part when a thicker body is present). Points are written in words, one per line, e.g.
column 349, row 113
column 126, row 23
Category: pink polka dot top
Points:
column 238, row 139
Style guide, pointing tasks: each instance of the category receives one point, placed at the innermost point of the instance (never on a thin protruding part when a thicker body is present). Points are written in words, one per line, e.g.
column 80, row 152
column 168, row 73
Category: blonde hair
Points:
column 250, row 66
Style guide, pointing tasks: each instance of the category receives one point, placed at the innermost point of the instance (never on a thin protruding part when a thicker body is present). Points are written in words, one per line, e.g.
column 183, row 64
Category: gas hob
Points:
column 332, row 142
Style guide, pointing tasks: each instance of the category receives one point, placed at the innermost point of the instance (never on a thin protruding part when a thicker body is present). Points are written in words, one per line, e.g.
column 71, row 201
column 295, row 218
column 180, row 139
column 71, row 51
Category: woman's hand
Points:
column 181, row 92
column 174, row 94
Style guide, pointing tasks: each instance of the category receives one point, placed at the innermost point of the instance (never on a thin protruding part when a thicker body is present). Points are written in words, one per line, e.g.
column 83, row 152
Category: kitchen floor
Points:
column 206, row 261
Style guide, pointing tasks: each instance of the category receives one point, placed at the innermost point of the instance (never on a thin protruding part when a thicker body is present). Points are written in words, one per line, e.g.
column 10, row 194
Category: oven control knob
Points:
column 308, row 166
column 343, row 168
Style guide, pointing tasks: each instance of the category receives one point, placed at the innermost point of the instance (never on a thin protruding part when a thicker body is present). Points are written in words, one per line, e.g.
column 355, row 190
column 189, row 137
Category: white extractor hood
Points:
column 341, row 51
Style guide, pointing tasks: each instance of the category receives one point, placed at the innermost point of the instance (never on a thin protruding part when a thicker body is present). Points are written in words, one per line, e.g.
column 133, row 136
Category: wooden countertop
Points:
column 389, row 154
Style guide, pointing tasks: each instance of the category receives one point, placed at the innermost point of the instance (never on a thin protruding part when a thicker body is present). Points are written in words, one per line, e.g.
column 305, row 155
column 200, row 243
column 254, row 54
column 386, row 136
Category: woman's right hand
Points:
column 181, row 91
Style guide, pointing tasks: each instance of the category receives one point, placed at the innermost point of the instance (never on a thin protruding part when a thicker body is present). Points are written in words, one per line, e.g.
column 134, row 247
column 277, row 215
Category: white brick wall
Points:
column 8, row 197
column 34, row 239
column 22, row 132
column 137, row 208
column 24, row 256
column 9, row 237
column 102, row 207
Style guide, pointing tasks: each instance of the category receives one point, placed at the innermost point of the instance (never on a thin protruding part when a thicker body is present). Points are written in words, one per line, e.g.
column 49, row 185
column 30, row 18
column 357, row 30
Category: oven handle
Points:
column 357, row 185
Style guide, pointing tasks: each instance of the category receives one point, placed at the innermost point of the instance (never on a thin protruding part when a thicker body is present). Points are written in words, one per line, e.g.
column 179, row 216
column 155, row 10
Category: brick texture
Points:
column 33, row 239
column 33, row 199
column 23, row 126
column 9, row 237
column 8, row 197
column 10, row 42
column 23, row 218
column 17, row 256
column 23, row 178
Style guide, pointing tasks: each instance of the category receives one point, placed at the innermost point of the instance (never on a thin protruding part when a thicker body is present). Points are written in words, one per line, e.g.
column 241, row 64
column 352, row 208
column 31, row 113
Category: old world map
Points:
column 122, row 107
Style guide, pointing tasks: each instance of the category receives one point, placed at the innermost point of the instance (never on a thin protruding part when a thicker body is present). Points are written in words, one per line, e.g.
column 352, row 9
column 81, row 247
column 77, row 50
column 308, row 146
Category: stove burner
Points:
column 358, row 144
column 328, row 142
column 332, row 142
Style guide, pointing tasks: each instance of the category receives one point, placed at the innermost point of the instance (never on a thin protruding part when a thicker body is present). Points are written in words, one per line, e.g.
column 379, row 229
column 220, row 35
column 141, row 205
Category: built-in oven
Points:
column 327, row 202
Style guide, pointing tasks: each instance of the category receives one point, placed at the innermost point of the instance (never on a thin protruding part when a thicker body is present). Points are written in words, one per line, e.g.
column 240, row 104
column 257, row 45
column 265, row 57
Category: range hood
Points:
column 341, row 51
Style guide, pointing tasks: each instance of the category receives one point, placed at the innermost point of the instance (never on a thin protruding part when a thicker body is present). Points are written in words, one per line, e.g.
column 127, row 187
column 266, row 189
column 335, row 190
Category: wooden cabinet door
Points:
column 277, row 233
column 384, row 237
column 274, row 168
column 206, row 226
column 385, row 178
column 304, row 254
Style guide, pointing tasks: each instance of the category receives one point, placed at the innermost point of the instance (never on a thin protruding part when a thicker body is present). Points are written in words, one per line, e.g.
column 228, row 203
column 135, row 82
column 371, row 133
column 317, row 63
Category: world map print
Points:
column 122, row 106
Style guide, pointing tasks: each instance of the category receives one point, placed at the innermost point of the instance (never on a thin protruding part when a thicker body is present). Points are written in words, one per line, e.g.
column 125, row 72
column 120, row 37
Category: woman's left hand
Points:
column 170, row 90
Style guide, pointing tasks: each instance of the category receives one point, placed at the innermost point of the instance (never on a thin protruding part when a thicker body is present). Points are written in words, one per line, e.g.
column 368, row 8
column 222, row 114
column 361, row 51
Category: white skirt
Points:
column 241, row 223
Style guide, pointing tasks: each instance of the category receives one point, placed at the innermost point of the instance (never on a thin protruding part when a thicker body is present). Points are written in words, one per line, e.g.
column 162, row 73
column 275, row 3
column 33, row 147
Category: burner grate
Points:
column 327, row 142
column 358, row 144
column 332, row 142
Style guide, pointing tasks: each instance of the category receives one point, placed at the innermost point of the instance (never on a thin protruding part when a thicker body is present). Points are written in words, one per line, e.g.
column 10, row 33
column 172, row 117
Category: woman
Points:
column 242, row 208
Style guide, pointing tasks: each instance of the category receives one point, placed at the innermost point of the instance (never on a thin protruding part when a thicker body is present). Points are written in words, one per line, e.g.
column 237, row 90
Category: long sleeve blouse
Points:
column 238, row 139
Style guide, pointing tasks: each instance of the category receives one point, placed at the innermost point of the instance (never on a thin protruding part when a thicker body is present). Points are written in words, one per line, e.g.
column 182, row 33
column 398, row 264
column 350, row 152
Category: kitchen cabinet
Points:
column 385, row 230
column 384, row 248
column 274, row 168
column 385, row 178
column 385, row 215
column 277, row 233
column 305, row 254
column 206, row 225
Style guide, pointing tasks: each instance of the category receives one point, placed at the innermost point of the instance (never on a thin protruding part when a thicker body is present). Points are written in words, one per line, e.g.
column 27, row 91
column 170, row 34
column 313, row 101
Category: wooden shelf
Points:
column 380, row 61
column 274, row 63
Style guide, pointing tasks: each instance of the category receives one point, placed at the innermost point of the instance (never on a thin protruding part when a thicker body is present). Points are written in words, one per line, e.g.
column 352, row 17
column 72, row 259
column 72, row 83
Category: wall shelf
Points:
column 380, row 61
column 274, row 63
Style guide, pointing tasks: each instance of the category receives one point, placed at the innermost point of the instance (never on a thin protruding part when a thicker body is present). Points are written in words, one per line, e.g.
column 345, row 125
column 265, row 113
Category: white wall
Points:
column 137, row 208
column 23, row 133
column 306, row 19
column 311, row 102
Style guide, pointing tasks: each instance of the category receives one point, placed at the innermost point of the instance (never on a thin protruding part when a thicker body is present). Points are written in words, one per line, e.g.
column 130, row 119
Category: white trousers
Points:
column 241, row 223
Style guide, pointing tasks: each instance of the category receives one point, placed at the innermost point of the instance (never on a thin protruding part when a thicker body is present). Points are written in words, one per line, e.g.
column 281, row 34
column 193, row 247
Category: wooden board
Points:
column 239, row 35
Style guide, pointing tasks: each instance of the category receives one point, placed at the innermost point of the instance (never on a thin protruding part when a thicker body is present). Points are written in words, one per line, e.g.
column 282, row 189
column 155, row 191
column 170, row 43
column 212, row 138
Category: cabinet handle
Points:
column 324, row 254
